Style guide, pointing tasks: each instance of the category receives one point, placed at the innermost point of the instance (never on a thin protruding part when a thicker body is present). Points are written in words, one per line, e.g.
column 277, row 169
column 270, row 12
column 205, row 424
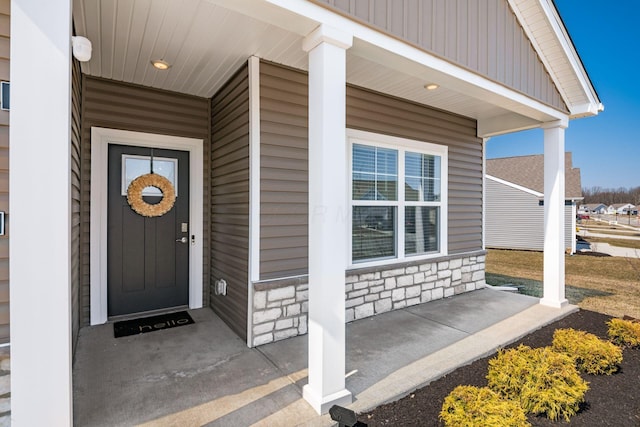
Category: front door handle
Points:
column 183, row 240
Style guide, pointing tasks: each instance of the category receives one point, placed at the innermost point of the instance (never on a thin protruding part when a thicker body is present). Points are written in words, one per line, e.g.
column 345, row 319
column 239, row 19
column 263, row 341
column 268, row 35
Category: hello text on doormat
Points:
column 151, row 324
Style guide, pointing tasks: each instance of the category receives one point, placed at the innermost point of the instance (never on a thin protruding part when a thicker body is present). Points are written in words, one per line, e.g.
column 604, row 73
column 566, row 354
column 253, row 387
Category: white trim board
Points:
column 254, row 190
column 100, row 140
column 516, row 186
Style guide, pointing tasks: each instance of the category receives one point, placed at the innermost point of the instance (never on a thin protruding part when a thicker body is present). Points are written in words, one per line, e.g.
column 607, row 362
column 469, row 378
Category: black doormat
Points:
column 150, row 324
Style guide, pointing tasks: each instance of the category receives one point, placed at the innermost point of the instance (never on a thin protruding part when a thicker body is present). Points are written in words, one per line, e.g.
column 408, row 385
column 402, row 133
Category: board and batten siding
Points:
column 514, row 219
column 284, row 168
column 117, row 105
column 230, row 200
column 76, row 137
column 5, row 32
column 483, row 36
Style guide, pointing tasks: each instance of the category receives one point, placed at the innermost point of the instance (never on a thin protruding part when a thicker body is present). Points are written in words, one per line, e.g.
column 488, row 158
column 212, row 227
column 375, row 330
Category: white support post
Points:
column 554, row 195
column 327, row 218
column 574, row 225
column 40, row 200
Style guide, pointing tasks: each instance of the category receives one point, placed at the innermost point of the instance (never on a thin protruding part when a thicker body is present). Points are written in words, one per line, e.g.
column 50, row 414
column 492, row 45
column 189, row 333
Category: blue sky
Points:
column 606, row 148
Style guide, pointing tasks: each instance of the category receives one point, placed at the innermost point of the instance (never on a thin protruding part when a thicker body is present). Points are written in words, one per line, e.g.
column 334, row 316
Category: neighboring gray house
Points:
column 327, row 158
column 514, row 210
column 593, row 208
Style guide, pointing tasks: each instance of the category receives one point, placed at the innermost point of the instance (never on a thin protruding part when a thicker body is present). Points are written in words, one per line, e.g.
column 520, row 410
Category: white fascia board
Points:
column 466, row 81
column 562, row 37
column 516, row 186
column 266, row 12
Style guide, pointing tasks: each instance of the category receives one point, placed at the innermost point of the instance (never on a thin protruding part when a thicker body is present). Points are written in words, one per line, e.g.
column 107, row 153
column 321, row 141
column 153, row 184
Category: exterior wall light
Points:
column 81, row 47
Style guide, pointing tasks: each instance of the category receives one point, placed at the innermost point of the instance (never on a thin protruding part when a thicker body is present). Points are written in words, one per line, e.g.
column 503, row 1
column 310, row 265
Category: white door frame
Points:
column 100, row 140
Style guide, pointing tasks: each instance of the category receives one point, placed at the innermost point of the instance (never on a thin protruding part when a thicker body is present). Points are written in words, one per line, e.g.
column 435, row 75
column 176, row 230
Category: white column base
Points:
column 554, row 303
column 323, row 404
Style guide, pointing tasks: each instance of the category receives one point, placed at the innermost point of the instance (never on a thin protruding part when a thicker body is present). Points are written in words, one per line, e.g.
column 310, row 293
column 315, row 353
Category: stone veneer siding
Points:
column 280, row 307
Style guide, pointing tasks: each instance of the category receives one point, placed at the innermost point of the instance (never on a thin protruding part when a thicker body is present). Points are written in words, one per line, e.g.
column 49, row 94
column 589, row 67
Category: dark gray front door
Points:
column 148, row 264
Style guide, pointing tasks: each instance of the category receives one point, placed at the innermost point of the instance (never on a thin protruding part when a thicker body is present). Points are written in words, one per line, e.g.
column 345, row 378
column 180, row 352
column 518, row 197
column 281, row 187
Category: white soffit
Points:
column 207, row 41
column 204, row 43
column 543, row 26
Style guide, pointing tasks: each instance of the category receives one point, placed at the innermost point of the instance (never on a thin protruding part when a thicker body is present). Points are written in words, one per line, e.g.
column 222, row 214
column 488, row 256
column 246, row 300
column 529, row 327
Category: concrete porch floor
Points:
column 203, row 374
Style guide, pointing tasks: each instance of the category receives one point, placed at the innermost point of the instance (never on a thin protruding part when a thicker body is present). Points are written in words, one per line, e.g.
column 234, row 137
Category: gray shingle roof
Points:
column 528, row 172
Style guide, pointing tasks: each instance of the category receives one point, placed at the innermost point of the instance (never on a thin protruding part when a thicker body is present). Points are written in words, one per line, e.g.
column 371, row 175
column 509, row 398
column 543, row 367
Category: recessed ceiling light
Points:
column 431, row 86
column 160, row 64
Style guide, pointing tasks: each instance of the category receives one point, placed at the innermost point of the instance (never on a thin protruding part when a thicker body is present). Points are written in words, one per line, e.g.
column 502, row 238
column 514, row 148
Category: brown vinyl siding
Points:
column 375, row 112
column 76, row 136
column 116, row 105
column 5, row 31
column 283, row 172
column 283, row 243
column 230, row 200
column 484, row 37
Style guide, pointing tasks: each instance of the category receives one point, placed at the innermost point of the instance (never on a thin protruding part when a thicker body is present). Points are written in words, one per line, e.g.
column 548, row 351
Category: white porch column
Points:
column 40, row 215
column 328, row 214
column 574, row 225
column 554, row 215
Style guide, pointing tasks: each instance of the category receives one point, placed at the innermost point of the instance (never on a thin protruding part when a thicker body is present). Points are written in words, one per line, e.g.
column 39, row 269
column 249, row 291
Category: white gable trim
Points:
column 558, row 55
column 516, row 186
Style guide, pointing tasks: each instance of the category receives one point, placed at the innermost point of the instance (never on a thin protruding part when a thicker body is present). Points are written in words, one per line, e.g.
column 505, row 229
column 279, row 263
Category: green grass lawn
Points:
column 533, row 288
column 609, row 285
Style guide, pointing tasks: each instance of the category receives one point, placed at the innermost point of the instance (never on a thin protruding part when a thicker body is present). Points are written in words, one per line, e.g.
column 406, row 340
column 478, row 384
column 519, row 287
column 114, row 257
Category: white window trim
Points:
column 100, row 140
column 402, row 145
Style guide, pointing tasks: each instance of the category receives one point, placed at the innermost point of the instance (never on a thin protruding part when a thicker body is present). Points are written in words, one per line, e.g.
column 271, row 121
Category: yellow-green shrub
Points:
column 472, row 406
column 624, row 332
column 542, row 380
column 592, row 355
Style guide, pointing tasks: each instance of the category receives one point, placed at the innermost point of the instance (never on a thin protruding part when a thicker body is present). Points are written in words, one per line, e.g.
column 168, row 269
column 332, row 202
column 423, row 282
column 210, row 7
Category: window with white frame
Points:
column 398, row 198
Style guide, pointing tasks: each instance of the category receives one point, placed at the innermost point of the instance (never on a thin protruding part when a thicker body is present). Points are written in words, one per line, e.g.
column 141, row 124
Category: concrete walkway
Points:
column 618, row 251
column 609, row 249
column 588, row 233
column 203, row 374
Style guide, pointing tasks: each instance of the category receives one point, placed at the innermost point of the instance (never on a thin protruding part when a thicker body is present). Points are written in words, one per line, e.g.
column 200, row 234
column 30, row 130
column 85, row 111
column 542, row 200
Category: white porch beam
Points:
column 506, row 123
column 554, row 183
column 40, row 184
column 327, row 217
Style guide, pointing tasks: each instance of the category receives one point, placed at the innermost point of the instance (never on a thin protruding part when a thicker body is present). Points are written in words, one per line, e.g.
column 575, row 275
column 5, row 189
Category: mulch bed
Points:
column 612, row 400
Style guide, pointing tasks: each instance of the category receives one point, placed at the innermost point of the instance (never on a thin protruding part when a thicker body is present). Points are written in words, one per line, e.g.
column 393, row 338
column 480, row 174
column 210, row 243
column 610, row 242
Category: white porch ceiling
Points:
column 206, row 42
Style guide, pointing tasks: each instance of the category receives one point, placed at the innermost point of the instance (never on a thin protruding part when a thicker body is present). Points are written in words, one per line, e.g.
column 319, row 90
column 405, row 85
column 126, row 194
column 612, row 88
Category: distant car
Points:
column 583, row 216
